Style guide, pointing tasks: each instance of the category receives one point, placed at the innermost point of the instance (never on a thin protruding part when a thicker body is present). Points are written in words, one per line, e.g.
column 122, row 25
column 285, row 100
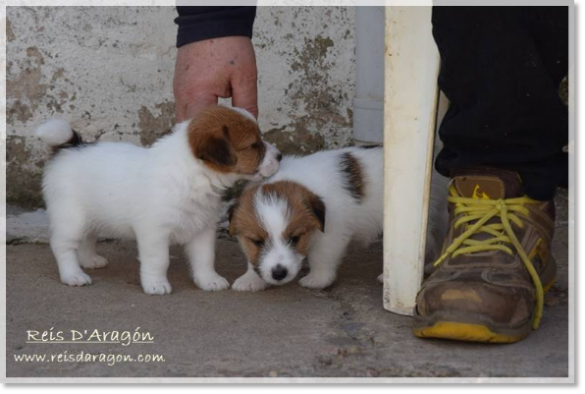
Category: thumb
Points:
column 245, row 94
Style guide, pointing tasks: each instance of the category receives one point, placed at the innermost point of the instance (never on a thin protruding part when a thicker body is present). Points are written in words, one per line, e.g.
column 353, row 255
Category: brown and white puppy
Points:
column 262, row 229
column 312, row 208
column 166, row 194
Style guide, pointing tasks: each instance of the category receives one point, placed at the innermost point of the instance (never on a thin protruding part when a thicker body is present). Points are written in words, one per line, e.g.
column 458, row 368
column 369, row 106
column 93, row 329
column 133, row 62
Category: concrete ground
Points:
column 286, row 331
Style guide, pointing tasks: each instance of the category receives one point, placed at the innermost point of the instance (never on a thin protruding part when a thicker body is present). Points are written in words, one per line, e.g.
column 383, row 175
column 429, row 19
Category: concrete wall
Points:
column 109, row 71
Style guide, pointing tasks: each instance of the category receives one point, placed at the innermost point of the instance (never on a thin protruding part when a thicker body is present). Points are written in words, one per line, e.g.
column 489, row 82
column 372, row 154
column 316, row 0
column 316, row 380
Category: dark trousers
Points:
column 501, row 68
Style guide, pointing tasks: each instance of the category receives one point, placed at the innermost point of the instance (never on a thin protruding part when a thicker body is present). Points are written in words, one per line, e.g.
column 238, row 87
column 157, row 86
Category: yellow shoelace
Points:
column 481, row 211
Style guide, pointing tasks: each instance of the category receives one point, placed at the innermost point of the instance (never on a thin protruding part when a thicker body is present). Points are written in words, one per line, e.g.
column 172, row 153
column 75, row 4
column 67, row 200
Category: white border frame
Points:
column 573, row 213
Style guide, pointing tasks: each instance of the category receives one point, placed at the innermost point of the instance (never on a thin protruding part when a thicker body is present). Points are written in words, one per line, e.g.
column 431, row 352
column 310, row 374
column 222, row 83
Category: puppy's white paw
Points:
column 157, row 287
column 249, row 282
column 381, row 278
column 93, row 262
column 212, row 283
column 76, row 279
column 316, row 281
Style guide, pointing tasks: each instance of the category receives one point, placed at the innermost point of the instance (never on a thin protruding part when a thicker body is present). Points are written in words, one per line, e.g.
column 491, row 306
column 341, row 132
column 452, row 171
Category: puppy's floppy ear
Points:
column 317, row 206
column 231, row 211
column 211, row 144
column 216, row 151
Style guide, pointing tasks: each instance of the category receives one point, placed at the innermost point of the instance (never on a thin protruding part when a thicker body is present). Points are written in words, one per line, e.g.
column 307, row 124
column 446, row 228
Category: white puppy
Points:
column 312, row 208
column 168, row 193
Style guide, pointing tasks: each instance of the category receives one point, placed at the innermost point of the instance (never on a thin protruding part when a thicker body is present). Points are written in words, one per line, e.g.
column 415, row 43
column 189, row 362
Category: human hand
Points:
column 220, row 67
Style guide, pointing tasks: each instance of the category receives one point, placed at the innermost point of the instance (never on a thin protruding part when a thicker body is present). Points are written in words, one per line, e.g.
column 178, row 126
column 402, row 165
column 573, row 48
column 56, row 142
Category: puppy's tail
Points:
column 57, row 133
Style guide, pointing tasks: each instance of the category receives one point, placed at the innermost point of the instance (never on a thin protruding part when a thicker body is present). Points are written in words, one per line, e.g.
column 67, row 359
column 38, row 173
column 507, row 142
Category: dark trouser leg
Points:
column 501, row 68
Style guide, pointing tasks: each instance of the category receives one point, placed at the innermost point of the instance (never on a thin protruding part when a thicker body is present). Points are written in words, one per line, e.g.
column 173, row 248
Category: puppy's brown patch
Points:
column 306, row 215
column 245, row 224
column 226, row 141
column 351, row 169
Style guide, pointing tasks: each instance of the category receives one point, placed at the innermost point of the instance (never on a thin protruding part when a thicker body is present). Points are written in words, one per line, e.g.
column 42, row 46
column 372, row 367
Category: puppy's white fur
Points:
column 159, row 196
column 55, row 132
column 346, row 218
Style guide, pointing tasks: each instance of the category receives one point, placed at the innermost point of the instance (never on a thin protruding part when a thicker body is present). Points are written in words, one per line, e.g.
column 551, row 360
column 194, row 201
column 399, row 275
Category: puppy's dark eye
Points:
column 258, row 242
column 255, row 145
column 294, row 240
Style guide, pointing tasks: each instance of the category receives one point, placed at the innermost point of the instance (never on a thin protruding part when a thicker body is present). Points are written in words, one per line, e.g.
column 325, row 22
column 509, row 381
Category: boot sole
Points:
column 468, row 333
column 461, row 327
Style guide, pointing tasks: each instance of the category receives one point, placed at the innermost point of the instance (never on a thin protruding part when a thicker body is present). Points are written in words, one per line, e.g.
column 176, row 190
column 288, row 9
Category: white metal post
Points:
column 410, row 105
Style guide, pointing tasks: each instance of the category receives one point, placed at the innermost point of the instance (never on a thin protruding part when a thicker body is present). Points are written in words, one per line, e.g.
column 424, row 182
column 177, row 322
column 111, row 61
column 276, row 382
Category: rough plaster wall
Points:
column 109, row 70
column 306, row 72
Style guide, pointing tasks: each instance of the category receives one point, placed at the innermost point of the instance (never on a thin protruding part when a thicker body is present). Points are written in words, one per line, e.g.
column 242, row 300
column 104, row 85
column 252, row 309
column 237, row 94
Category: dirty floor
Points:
column 284, row 331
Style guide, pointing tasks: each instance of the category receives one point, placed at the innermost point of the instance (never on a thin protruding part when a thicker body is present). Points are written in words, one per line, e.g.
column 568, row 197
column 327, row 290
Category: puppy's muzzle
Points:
column 279, row 272
column 271, row 161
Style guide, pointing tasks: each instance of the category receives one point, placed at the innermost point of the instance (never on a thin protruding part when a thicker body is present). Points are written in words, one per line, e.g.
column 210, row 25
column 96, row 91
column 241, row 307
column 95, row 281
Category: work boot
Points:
column 488, row 284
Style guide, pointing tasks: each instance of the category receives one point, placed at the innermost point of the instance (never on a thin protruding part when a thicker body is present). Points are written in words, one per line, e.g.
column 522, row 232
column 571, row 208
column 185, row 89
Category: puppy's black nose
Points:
column 279, row 157
column 279, row 272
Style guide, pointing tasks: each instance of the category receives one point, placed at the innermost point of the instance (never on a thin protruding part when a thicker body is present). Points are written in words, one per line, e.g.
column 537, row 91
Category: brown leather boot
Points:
column 488, row 285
